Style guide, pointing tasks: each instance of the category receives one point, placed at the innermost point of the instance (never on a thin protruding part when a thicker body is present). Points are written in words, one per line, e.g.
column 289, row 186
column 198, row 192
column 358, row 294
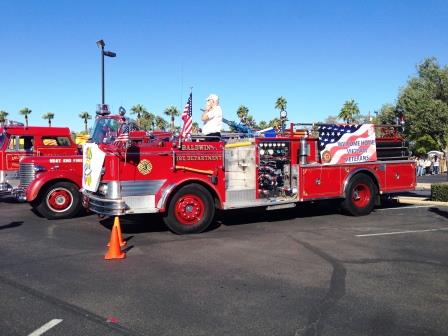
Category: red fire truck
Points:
column 188, row 179
column 18, row 141
column 51, row 184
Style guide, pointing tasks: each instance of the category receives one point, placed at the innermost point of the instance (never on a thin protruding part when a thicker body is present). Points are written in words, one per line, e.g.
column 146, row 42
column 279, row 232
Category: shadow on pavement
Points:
column 11, row 225
column 441, row 213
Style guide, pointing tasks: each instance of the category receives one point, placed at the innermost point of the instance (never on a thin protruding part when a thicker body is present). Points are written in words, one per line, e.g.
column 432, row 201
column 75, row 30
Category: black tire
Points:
column 360, row 196
column 191, row 210
column 58, row 200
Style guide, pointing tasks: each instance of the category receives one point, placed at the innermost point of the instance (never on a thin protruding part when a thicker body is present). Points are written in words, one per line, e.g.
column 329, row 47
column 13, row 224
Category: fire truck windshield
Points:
column 105, row 130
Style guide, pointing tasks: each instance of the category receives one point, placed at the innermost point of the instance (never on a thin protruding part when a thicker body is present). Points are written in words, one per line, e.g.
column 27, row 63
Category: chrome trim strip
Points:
column 140, row 188
column 161, row 203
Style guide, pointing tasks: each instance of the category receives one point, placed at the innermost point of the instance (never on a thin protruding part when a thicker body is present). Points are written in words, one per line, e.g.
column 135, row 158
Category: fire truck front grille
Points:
column 26, row 174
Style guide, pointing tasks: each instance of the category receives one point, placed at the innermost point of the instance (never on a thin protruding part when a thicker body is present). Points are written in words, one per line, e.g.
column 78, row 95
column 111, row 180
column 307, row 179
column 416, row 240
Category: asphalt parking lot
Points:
column 303, row 271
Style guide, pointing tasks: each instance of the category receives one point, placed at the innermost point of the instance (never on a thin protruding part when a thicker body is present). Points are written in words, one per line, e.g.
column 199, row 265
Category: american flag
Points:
column 347, row 143
column 186, row 117
column 122, row 139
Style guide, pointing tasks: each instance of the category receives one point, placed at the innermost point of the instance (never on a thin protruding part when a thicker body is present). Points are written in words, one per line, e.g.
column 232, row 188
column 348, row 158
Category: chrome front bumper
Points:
column 19, row 194
column 5, row 189
column 103, row 206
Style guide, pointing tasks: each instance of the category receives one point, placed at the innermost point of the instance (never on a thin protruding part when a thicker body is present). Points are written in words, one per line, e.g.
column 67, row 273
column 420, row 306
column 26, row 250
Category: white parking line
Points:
column 47, row 326
column 400, row 232
column 406, row 207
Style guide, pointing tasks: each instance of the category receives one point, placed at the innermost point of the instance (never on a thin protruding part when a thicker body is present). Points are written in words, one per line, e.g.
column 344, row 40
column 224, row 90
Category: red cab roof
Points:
column 36, row 130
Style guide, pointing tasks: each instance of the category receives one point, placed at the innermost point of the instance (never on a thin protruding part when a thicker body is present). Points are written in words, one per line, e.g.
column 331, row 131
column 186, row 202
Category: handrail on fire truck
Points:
column 384, row 130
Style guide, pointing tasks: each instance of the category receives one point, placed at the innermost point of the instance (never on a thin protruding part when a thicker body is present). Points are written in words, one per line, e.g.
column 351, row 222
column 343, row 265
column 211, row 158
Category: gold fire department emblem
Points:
column 326, row 157
column 144, row 167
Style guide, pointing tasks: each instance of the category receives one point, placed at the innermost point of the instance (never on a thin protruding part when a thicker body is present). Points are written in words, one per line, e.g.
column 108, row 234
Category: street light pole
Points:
column 101, row 44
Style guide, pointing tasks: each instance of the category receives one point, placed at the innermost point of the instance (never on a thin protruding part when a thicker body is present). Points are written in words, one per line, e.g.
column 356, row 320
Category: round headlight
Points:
column 102, row 189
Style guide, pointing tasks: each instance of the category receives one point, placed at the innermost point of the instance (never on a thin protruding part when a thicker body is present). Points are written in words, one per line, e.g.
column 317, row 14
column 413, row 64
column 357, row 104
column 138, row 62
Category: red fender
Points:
column 168, row 188
column 43, row 178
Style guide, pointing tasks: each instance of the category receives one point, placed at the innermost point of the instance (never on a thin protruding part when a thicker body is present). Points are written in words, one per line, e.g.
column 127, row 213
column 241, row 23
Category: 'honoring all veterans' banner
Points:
column 347, row 143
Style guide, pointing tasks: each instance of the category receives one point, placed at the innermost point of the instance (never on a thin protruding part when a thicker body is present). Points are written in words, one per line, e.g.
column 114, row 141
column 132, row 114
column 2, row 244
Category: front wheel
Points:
column 191, row 210
column 59, row 200
column 360, row 196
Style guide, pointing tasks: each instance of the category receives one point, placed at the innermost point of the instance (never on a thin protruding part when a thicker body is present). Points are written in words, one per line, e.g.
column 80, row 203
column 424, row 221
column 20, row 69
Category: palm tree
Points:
column 242, row 112
column 48, row 116
column 3, row 115
column 25, row 112
column 161, row 123
column 195, row 128
column 173, row 112
column 349, row 111
column 86, row 116
column 280, row 104
column 276, row 123
column 263, row 124
column 250, row 121
column 138, row 109
column 147, row 120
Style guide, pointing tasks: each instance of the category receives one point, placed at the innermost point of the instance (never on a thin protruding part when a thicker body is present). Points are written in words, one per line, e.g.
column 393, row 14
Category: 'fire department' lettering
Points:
column 198, row 147
column 198, row 158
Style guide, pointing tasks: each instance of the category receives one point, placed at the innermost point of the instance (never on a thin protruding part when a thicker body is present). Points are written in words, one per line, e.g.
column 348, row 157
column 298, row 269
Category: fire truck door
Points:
column 18, row 147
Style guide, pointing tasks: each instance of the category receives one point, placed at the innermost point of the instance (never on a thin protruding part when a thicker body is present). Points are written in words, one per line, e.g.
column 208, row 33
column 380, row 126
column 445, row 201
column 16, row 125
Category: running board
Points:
column 281, row 206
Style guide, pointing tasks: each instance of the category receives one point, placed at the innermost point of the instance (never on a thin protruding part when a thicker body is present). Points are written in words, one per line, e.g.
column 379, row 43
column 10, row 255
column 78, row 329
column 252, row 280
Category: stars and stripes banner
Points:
column 187, row 117
column 122, row 139
column 347, row 143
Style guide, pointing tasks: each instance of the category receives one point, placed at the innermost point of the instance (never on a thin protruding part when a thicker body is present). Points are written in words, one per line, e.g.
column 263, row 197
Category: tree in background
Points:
column 48, row 116
column 242, row 112
column 161, row 123
column 3, row 115
column 25, row 112
column 276, row 123
column 263, row 124
column 138, row 110
column 280, row 104
column 173, row 112
column 386, row 115
column 424, row 102
column 349, row 111
column 85, row 116
column 147, row 120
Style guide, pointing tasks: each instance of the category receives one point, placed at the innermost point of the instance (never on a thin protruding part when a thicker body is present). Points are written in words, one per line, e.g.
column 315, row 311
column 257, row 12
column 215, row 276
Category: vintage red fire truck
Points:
column 18, row 141
column 188, row 179
column 51, row 184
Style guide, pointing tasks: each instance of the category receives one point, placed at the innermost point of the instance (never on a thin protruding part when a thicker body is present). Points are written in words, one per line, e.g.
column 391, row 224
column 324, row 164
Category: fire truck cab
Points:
column 188, row 179
column 18, row 141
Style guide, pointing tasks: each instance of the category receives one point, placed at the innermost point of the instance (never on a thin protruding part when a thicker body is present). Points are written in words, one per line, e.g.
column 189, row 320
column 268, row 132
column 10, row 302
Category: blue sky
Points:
column 317, row 54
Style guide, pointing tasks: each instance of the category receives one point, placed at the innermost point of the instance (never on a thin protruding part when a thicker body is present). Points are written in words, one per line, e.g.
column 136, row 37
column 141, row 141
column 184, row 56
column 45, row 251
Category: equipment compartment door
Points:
column 400, row 176
column 320, row 182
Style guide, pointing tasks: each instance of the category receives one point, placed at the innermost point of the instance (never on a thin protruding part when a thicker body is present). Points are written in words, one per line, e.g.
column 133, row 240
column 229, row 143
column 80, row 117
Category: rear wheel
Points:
column 360, row 196
column 191, row 210
column 59, row 200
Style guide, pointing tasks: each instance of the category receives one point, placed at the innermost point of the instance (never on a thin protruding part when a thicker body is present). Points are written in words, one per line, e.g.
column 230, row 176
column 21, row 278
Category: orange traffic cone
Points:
column 120, row 237
column 114, row 251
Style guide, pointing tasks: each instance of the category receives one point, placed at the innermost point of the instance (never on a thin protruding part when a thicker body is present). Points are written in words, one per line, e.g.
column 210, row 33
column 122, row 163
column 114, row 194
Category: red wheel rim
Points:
column 59, row 199
column 361, row 195
column 189, row 209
